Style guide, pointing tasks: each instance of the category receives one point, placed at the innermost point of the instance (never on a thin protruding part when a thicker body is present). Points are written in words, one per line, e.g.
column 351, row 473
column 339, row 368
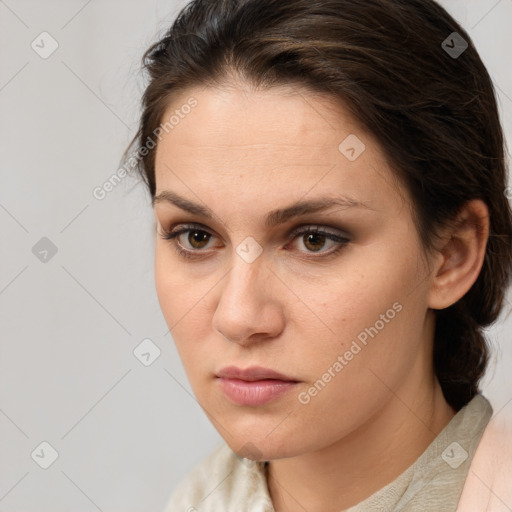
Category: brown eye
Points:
column 317, row 240
column 314, row 241
column 188, row 239
column 198, row 239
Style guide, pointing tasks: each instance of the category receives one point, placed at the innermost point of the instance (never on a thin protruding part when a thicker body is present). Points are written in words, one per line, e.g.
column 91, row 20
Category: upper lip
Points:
column 252, row 373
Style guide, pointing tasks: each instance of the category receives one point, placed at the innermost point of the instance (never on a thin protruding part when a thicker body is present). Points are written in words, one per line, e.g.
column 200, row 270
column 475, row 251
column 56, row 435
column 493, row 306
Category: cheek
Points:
column 342, row 306
column 369, row 317
column 183, row 302
column 176, row 290
column 167, row 285
column 349, row 379
column 178, row 301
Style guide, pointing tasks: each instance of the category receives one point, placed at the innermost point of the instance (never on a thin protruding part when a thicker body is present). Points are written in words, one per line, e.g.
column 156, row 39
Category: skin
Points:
column 243, row 153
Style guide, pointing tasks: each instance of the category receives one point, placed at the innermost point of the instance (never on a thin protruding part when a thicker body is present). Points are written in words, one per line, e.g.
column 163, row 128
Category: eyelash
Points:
column 171, row 236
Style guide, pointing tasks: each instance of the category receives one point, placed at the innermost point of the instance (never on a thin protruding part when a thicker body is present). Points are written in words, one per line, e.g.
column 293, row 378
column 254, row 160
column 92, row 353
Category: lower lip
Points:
column 256, row 392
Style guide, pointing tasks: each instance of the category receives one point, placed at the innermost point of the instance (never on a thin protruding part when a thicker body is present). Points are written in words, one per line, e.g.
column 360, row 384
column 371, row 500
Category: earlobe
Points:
column 459, row 262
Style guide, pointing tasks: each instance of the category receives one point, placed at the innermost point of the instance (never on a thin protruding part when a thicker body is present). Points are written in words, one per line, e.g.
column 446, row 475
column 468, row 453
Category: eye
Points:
column 197, row 239
column 313, row 238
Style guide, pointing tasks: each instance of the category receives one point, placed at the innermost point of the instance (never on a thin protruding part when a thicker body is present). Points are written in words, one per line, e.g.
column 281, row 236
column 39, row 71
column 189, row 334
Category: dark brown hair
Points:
column 434, row 114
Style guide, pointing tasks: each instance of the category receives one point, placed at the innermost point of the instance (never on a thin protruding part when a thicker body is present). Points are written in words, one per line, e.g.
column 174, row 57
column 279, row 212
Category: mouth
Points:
column 254, row 386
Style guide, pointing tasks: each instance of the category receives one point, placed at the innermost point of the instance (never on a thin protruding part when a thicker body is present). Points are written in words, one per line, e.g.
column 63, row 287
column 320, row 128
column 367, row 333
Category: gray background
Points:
column 125, row 433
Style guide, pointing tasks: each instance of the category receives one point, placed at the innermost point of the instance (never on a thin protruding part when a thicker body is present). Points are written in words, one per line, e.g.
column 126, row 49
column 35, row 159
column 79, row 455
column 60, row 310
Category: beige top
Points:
column 224, row 482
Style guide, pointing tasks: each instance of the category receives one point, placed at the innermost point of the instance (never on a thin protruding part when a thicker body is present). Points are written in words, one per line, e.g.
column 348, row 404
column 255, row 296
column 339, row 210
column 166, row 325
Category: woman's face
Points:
column 339, row 314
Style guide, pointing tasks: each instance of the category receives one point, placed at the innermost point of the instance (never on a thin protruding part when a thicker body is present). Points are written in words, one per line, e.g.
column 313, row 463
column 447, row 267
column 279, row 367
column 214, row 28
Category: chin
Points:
column 261, row 448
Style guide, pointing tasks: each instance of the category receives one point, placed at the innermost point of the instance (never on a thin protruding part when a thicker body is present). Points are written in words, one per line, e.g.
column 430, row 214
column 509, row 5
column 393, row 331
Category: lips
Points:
column 253, row 386
column 252, row 374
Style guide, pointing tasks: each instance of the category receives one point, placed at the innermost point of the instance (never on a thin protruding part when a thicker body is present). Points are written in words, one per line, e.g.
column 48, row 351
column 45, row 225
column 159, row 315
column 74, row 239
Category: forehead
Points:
column 241, row 118
column 284, row 137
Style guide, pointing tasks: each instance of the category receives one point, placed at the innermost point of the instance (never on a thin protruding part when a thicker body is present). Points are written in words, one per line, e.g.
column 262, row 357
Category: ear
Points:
column 458, row 264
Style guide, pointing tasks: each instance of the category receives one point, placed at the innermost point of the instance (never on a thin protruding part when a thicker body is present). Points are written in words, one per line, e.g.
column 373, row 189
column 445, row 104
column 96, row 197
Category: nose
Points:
column 249, row 309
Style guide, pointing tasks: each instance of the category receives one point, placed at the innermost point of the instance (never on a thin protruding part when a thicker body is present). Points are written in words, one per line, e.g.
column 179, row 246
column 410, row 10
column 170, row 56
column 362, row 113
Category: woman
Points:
column 333, row 234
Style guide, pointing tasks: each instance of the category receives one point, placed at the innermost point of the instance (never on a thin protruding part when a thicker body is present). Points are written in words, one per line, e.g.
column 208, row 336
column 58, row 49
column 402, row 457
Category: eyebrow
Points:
column 273, row 218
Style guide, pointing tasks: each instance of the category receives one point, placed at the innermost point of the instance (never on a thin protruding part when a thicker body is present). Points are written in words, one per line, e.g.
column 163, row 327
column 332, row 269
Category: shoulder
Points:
column 222, row 481
column 487, row 486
